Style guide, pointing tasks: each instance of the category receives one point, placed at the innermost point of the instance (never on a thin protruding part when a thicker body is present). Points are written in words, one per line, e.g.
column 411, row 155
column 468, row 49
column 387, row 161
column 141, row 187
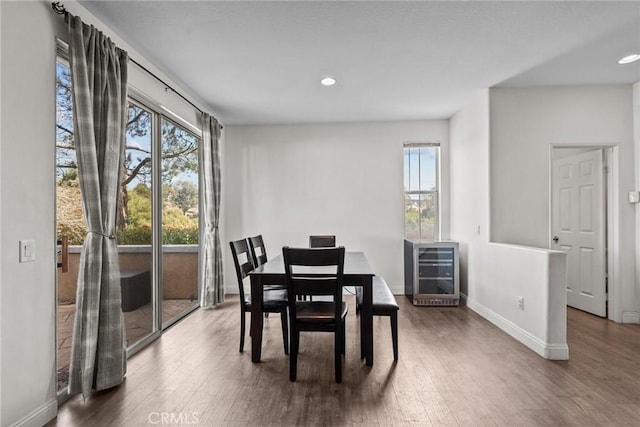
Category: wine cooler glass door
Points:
column 436, row 271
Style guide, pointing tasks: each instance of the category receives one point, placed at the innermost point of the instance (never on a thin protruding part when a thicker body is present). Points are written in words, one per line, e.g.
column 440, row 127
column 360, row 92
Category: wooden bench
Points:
column 384, row 304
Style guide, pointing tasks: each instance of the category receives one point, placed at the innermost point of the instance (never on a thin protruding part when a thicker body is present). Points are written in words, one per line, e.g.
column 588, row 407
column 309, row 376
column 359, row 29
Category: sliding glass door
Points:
column 158, row 221
column 180, row 220
column 136, row 217
column 70, row 224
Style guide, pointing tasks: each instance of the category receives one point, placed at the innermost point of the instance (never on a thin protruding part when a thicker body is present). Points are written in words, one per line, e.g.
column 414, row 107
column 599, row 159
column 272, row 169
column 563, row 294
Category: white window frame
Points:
column 436, row 194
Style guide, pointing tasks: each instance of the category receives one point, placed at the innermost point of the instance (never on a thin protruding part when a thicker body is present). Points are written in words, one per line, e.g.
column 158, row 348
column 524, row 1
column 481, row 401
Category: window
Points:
column 421, row 185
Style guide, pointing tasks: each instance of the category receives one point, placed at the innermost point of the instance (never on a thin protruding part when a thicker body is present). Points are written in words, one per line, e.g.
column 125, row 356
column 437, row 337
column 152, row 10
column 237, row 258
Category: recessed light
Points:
column 629, row 59
column 328, row 81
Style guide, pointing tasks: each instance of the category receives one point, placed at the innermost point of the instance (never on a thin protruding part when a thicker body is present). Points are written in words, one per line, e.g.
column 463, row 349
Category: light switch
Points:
column 634, row 196
column 27, row 250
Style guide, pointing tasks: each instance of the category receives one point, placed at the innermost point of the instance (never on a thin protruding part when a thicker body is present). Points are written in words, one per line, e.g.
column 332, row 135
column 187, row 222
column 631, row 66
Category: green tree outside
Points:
column 179, row 158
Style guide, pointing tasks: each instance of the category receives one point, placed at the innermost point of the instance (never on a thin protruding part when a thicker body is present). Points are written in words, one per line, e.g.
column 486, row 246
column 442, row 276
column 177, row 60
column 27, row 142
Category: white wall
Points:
column 469, row 166
column 524, row 123
column 500, row 155
column 636, row 145
column 27, row 189
column 289, row 181
column 1, row 237
column 27, row 202
column 495, row 275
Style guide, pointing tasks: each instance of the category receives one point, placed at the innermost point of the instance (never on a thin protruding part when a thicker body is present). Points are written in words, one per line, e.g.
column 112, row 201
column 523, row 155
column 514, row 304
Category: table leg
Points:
column 256, row 317
column 367, row 319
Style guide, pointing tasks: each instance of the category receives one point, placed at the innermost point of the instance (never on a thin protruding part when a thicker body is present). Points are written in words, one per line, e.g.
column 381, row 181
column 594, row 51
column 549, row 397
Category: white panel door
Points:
column 578, row 216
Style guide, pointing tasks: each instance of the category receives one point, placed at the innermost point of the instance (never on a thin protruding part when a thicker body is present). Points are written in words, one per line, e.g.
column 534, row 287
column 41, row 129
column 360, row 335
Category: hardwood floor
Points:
column 455, row 369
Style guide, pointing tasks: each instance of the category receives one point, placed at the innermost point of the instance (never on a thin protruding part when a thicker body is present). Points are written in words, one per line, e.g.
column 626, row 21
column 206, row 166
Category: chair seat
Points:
column 382, row 298
column 318, row 311
column 271, row 300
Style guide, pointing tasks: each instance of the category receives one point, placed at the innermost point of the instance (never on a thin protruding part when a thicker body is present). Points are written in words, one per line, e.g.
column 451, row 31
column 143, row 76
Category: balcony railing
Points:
column 179, row 270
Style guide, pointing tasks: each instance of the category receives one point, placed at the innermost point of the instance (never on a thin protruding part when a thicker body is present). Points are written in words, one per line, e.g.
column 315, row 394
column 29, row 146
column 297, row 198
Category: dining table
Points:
column 357, row 272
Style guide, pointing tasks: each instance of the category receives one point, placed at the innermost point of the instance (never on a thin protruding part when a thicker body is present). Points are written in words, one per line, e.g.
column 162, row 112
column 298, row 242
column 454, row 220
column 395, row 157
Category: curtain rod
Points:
column 59, row 9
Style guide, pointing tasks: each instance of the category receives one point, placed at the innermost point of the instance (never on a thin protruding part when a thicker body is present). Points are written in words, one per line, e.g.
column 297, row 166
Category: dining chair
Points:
column 258, row 250
column 383, row 304
column 322, row 241
column 274, row 301
column 259, row 257
column 317, row 271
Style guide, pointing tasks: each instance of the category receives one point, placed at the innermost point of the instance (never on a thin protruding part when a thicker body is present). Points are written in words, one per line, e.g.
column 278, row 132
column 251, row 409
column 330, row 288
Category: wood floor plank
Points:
column 455, row 369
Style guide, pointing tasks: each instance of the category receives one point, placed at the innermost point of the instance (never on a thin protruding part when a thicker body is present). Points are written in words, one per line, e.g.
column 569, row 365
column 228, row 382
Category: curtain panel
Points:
column 99, row 80
column 212, row 292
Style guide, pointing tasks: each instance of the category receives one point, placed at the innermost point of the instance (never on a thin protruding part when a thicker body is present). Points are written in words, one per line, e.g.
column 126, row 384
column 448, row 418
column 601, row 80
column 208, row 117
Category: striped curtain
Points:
column 99, row 81
column 212, row 289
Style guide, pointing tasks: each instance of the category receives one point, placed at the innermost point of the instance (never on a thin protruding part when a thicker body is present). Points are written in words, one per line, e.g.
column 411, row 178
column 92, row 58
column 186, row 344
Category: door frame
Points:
column 612, row 214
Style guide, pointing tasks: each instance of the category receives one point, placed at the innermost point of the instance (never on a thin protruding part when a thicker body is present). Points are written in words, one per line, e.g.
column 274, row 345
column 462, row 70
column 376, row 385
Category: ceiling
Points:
column 261, row 62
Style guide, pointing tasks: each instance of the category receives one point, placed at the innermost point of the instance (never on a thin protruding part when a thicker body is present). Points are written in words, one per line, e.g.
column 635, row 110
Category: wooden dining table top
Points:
column 355, row 264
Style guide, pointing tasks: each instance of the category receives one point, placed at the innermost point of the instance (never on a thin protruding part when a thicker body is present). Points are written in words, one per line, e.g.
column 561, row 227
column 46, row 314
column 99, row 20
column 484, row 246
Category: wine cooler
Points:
column 431, row 273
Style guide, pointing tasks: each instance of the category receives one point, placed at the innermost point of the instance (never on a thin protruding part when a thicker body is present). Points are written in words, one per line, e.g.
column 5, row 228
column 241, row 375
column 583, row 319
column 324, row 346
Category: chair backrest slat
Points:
column 313, row 257
column 238, row 249
column 306, row 275
column 322, row 241
column 314, row 288
column 258, row 250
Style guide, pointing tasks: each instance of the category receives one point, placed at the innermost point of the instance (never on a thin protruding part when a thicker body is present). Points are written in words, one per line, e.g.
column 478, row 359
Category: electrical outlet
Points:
column 521, row 303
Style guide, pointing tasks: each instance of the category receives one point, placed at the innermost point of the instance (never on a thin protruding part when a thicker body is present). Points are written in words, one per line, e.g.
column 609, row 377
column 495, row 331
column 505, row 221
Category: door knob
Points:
column 555, row 239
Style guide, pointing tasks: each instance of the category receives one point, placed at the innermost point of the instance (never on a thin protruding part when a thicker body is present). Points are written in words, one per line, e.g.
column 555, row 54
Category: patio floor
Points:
column 138, row 323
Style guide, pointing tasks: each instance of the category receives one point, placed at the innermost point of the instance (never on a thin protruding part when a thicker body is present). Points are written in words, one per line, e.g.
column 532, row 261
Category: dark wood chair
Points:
column 258, row 250
column 259, row 257
column 384, row 304
column 274, row 301
column 324, row 241
column 315, row 272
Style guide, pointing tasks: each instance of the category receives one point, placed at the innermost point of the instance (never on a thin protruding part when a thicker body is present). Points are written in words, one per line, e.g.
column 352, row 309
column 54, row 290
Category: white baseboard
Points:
column 396, row 289
column 630, row 317
column 546, row 350
column 39, row 416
